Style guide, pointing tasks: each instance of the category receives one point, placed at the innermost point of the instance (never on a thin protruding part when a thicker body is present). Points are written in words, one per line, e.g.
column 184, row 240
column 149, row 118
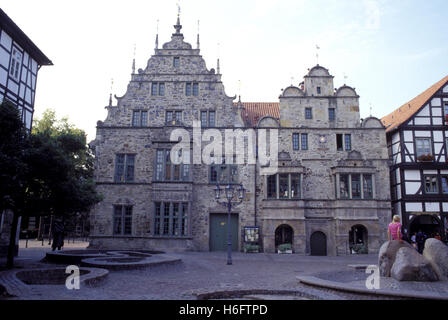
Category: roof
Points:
column 254, row 111
column 406, row 111
column 22, row 39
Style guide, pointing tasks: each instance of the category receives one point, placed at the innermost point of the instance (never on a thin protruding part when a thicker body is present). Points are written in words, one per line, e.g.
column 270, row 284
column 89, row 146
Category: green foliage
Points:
column 13, row 142
column 360, row 248
column 253, row 248
column 47, row 172
column 285, row 246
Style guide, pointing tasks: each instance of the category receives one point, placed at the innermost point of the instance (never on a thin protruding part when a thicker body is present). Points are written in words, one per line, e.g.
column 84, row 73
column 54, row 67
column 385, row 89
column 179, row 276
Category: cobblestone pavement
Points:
column 205, row 272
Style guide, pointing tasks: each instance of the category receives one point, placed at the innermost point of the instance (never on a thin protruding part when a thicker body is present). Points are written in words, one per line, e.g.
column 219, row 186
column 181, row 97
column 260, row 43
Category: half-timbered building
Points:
column 20, row 61
column 417, row 136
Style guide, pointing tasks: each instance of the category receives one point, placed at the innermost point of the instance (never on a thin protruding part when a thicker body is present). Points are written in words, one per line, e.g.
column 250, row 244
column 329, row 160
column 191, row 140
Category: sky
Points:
column 388, row 50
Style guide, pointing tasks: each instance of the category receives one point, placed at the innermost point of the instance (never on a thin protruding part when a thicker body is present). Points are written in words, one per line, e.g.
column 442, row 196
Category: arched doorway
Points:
column 284, row 235
column 358, row 239
column 318, row 244
column 430, row 225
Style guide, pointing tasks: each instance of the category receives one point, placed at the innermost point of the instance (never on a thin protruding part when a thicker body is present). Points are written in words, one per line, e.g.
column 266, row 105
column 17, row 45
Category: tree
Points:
column 50, row 171
column 13, row 143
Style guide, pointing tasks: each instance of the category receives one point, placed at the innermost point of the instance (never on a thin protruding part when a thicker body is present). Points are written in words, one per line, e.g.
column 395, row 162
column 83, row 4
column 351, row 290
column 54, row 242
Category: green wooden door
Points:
column 218, row 232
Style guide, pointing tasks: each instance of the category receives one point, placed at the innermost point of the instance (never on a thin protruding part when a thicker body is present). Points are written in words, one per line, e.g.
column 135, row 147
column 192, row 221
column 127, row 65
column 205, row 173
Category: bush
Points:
column 360, row 248
column 285, row 246
column 254, row 248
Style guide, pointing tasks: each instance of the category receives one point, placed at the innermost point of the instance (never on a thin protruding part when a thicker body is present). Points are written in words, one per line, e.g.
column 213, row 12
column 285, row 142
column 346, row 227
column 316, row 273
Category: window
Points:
column 188, row 89
column 122, row 220
column 158, row 89
column 208, row 118
column 339, row 142
column 272, row 186
column 167, row 171
column 318, row 90
column 348, row 142
column 295, row 141
column 445, row 108
column 169, row 117
column 343, row 186
column 195, row 89
column 444, row 184
column 161, row 89
column 16, row 63
column 431, row 185
column 356, row 186
column 308, row 113
column 343, row 142
column 304, row 141
column 283, row 186
column 170, row 219
column 367, row 186
column 124, row 168
column 331, row 114
column 224, row 173
column 139, row 118
column 423, row 146
column 192, row 88
column 176, row 62
column 154, row 87
column 173, row 117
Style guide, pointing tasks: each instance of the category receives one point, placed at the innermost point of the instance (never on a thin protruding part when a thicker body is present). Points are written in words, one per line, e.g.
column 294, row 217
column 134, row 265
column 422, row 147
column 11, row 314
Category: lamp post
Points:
column 229, row 195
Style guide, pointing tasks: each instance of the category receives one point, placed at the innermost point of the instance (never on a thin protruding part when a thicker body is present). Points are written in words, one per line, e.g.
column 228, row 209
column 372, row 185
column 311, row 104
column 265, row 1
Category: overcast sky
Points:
column 389, row 50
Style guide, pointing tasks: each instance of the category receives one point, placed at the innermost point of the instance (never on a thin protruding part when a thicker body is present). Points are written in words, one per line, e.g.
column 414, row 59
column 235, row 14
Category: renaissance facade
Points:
column 330, row 192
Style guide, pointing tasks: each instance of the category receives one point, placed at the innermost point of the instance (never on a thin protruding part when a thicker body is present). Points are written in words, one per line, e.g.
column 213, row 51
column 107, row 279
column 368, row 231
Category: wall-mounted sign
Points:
column 251, row 234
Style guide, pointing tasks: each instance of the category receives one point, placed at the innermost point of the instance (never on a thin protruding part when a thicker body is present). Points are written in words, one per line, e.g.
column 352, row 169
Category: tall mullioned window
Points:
column 283, row 186
column 168, row 171
column 331, row 114
column 158, row 89
column 16, row 63
column 295, row 141
column 355, row 186
column 192, row 88
column 170, row 219
column 431, row 185
column 224, row 173
column 122, row 220
column 208, row 118
column 139, row 118
column 124, row 168
column 304, row 141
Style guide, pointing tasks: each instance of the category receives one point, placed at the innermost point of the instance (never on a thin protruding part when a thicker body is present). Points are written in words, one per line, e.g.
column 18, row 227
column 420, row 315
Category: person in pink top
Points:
column 394, row 232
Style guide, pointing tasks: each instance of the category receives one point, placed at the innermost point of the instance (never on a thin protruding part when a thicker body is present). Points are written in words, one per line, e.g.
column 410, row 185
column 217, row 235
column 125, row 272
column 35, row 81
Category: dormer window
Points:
column 176, row 62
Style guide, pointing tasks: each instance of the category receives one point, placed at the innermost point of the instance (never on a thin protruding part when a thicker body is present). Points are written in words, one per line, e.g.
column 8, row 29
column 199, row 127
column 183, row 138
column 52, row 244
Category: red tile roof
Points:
column 406, row 111
column 254, row 111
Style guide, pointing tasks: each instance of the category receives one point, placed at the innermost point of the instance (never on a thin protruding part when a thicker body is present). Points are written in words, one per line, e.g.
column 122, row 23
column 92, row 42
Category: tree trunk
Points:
column 12, row 241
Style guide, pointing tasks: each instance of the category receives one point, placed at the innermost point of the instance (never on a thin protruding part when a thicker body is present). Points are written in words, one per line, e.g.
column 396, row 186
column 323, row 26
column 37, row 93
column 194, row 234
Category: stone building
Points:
column 330, row 192
column 417, row 137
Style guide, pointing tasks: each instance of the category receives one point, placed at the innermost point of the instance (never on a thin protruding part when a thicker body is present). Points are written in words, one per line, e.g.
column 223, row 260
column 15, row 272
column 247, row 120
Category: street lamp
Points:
column 229, row 195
